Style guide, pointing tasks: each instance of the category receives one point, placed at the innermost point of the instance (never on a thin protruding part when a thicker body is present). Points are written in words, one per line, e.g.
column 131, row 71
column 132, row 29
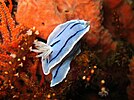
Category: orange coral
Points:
column 80, row 10
column 45, row 16
column 42, row 14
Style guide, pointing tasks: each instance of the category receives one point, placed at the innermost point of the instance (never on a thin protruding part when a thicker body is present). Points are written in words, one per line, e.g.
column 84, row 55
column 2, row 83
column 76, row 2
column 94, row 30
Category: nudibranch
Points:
column 61, row 47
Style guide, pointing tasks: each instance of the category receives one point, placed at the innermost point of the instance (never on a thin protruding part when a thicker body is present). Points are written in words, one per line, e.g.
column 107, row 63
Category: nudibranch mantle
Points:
column 61, row 47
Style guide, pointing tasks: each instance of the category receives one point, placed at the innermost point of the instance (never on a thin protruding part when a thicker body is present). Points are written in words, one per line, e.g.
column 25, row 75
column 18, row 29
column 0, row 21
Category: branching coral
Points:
column 14, row 47
column 10, row 6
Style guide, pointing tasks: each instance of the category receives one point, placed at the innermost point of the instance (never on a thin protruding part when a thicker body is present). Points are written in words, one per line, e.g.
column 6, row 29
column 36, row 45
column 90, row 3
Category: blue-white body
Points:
column 62, row 46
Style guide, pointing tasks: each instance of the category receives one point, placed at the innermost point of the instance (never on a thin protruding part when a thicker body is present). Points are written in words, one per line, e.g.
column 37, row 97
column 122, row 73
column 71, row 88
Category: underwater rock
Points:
column 130, row 89
column 112, row 3
column 119, row 20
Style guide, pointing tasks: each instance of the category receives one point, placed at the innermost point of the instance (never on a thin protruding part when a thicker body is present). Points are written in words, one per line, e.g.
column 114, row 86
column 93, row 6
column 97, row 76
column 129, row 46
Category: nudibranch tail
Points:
column 42, row 48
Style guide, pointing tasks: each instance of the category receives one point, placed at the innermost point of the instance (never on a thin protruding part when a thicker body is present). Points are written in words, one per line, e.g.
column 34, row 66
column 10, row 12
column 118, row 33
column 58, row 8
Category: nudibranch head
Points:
column 62, row 46
column 42, row 48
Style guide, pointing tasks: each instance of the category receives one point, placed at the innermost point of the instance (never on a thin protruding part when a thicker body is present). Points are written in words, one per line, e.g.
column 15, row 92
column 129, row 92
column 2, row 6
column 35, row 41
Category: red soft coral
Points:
column 14, row 54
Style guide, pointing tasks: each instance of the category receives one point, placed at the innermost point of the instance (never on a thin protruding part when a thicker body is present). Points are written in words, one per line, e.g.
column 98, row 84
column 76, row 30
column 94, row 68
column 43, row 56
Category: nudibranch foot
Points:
column 60, row 71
